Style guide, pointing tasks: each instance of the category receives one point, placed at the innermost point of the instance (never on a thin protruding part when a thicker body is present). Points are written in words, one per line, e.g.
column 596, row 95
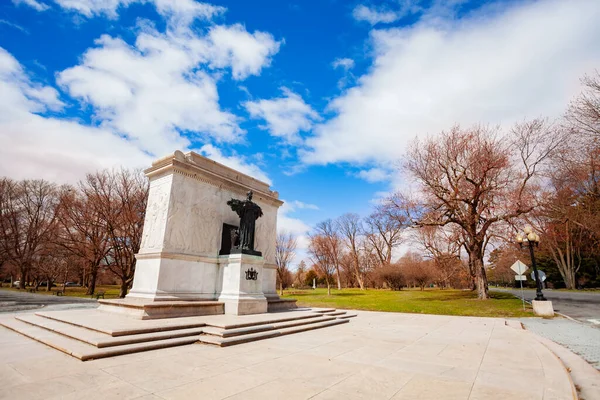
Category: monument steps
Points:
column 271, row 319
column 113, row 324
column 101, row 340
column 230, row 341
column 347, row 316
column 83, row 351
column 93, row 334
column 325, row 310
column 263, row 327
column 332, row 313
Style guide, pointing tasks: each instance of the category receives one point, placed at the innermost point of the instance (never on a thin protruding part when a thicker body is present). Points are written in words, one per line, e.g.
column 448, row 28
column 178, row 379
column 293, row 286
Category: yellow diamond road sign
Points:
column 519, row 267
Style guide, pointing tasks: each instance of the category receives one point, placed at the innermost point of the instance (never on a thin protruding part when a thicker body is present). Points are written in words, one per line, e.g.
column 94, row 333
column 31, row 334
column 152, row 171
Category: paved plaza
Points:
column 376, row 356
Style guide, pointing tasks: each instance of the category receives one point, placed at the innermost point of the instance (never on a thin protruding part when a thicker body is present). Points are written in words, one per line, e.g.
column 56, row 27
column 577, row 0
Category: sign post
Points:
column 520, row 269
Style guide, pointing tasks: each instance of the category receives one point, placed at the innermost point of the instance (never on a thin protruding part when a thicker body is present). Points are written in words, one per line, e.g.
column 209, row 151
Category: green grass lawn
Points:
column 429, row 301
column 111, row 291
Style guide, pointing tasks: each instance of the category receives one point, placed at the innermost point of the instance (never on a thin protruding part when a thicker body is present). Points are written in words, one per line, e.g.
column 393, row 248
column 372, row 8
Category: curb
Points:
column 578, row 369
column 518, row 325
column 567, row 369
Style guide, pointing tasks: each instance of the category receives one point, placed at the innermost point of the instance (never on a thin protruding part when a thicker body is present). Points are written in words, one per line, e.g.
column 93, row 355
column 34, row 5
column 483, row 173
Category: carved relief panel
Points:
column 156, row 214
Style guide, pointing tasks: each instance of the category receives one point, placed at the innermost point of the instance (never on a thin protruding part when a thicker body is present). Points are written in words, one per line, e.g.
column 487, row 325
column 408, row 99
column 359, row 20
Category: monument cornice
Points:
column 200, row 168
column 176, row 256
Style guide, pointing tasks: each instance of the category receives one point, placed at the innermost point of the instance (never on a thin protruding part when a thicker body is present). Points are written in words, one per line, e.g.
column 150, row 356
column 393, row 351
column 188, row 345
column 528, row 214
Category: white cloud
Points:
column 237, row 162
column 246, row 53
column 373, row 15
column 302, row 205
column 344, row 63
column 373, row 175
column 285, row 116
column 496, row 67
column 34, row 146
column 15, row 26
column 32, row 3
column 176, row 11
column 155, row 90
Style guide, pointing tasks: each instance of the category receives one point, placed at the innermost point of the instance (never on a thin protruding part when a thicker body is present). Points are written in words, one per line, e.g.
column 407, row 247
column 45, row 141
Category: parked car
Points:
column 44, row 284
column 16, row 283
column 72, row 284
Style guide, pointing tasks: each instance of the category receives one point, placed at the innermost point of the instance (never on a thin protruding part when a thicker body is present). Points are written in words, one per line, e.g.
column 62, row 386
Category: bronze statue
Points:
column 248, row 212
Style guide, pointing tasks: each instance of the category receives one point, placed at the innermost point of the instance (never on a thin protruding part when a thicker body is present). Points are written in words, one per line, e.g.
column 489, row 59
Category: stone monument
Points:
column 203, row 243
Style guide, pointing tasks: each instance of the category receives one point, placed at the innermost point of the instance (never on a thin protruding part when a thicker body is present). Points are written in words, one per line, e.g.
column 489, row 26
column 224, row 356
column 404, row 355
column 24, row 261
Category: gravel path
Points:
column 579, row 338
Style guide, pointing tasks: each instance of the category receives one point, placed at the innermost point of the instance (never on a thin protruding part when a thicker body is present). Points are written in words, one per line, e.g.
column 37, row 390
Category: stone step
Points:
column 290, row 324
column 262, row 328
column 346, row 316
column 148, row 309
column 323, row 310
column 102, row 340
column 116, row 325
column 230, row 341
column 85, row 351
column 304, row 328
column 223, row 342
column 268, row 320
column 335, row 313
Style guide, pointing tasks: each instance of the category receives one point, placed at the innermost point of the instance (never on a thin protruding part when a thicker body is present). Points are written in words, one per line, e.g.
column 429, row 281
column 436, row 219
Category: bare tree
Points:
column 121, row 204
column 416, row 270
column 442, row 246
column 300, row 275
column 322, row 257
column 583, row 114
column 384, row 229
column 285, row 251
column 328, row 231
column 28, row 218
column 52, row 264
column 82, row 231
column 475, row 178
column 351, row 230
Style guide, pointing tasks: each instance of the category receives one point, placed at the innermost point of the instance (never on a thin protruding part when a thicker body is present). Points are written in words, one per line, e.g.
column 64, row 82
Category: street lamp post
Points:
column 532, row 240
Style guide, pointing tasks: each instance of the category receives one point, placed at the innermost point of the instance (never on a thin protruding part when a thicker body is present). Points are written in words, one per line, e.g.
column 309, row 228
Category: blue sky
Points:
column 320, row 98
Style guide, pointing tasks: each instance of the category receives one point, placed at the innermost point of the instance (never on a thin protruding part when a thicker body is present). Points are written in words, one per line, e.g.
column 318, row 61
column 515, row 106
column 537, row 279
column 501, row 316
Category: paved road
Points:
column 11, row 301
column 582, row 306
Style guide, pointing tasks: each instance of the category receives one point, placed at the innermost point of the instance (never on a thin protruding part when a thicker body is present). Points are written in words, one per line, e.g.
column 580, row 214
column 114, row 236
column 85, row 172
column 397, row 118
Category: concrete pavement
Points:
column 377, row 356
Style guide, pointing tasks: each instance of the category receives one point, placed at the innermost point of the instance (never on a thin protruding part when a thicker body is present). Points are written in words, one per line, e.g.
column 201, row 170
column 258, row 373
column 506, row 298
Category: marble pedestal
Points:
column 242, row 291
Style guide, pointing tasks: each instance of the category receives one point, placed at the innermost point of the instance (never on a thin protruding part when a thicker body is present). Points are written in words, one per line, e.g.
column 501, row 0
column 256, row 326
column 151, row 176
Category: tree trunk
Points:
column 339, row 280
column 475, row 251
column 23, row 278
column 482, row 285
column 361, row 282
column 92, row 282
column 124, row 287
column 280, row 287
column 48, row 285
column 328, row 288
